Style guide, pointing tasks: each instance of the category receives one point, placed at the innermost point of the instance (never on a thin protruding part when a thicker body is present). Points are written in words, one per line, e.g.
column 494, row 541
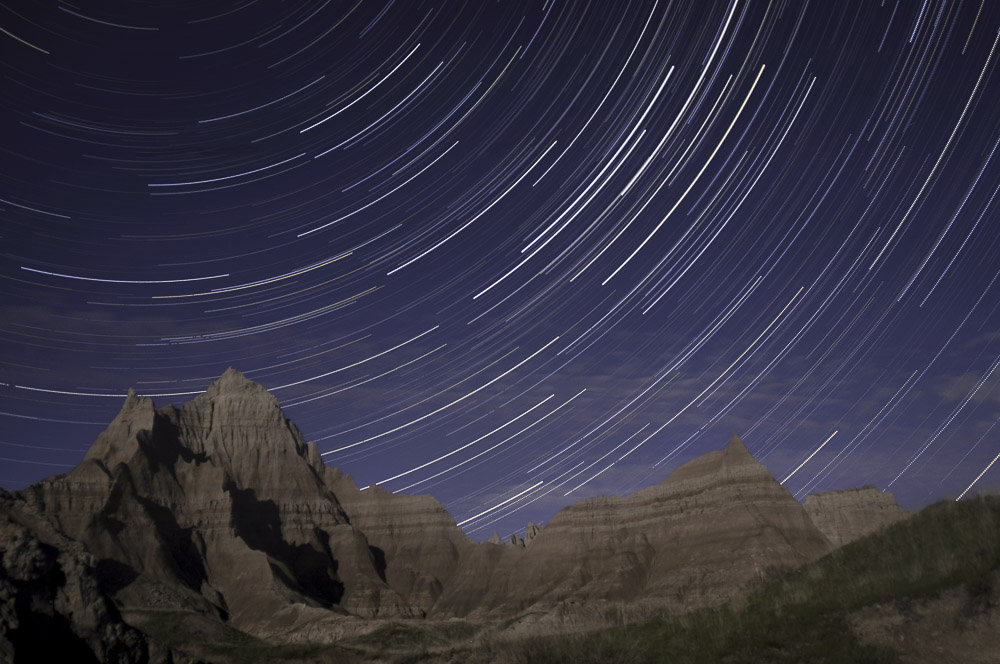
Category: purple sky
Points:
column 513, row 254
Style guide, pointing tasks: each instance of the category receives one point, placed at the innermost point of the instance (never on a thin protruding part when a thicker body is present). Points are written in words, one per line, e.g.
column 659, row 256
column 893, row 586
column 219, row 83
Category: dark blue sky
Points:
column 513, row 254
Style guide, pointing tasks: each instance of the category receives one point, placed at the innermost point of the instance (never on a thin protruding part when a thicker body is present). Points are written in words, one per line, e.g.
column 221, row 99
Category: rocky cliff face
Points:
column 415, row 541
column 844, row 516
column 716, row 523
column 54, row 601
column 218, row 507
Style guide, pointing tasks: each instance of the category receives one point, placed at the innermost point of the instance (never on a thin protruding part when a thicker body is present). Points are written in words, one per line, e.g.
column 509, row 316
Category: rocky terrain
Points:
column 844, row 516
column 217, row 511
column 53, row 603
column 923, row 590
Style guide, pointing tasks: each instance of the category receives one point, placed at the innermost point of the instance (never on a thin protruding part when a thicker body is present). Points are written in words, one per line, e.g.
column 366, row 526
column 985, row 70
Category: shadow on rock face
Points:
column 31, row 575
column 189, row 565
column 378, row 556
column 46, row 638
column 312, row 566
column 113, row 575
column 162, row 445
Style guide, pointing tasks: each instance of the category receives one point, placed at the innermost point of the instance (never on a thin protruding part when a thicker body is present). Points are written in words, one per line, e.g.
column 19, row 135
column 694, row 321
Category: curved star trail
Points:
column 513, row 254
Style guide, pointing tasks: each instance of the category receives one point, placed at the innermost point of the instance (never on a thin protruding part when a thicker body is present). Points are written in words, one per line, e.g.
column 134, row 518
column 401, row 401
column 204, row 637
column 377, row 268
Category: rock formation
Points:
column 713, row 525
column 530, row 533
column 415, row 542
column 513, row 540
column 844, row 516
column 219, row 508
column 54, row 603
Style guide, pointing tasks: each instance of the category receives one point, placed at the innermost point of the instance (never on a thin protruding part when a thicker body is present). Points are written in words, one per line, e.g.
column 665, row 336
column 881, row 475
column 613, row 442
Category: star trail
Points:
column 513, row 254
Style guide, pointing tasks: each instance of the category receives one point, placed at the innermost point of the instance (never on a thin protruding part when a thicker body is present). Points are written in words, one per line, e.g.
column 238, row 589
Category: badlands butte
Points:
column 212, row 532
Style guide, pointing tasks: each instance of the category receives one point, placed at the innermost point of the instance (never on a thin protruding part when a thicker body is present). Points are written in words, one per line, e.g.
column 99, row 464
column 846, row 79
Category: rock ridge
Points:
column 219, row 507
column 844, row 516
column 221, row 501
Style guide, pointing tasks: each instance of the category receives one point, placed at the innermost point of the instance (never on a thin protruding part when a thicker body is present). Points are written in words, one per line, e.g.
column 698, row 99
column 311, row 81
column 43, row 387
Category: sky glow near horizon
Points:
column 513, row 254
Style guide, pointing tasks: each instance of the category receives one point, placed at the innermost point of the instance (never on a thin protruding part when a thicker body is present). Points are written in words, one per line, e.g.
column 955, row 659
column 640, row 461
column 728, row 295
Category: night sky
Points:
column 513, row 254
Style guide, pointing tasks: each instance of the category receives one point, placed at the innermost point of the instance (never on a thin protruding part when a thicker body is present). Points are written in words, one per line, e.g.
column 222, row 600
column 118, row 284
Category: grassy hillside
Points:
column 803, row 616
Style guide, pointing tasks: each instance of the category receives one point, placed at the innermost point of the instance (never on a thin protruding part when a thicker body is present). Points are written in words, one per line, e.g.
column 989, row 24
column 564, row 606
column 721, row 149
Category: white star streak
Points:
column 693, row 180
column 369, row 91
column 940, row 157
column 717, row 378
column 990, row 465
column 449, row 405
column 123, row 281
column 592, row 477
column 469, row 222
column 226, row 177
column 496, row 445
column 809, row 457
column 467, row 445
column 499, row 505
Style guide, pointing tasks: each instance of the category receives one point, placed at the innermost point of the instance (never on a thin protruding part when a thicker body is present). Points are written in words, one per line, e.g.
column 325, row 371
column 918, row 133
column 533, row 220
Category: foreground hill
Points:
column 215, row 522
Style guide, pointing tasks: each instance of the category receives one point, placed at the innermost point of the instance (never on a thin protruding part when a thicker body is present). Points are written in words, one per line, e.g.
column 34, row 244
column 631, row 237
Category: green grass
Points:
column 399, row 636
column 207, row 639
column 212, row 641
column 411, row 642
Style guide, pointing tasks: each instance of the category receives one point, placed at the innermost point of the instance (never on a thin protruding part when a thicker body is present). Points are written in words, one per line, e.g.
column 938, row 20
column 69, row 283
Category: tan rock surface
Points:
column 716, row 523
column 416, row 542
column 54, row 604
column 531, row 532
column 844, row 516
column 217, row 502
column 218, row 507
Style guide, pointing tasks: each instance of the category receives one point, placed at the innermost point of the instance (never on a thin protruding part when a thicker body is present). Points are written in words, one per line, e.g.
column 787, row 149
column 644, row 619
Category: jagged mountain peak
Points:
column 202, row 496
column 238, row 425
column 736, row 457
column 117, row 443
column 736, row 446
column 233, row 383
column 722, row 466
column 135, row 404
column 218, row 504
column 234, row 423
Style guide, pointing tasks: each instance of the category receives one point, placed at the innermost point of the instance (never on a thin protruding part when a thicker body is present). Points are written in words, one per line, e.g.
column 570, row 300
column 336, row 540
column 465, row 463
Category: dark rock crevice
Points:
column 311, row 567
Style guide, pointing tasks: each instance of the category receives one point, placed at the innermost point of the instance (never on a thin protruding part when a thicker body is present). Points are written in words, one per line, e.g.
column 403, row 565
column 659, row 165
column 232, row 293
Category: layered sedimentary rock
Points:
column 531, row 532
column 219, row 507
column 844, row 516
column 416, row 543
column 714, row 524
column 54, row 603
